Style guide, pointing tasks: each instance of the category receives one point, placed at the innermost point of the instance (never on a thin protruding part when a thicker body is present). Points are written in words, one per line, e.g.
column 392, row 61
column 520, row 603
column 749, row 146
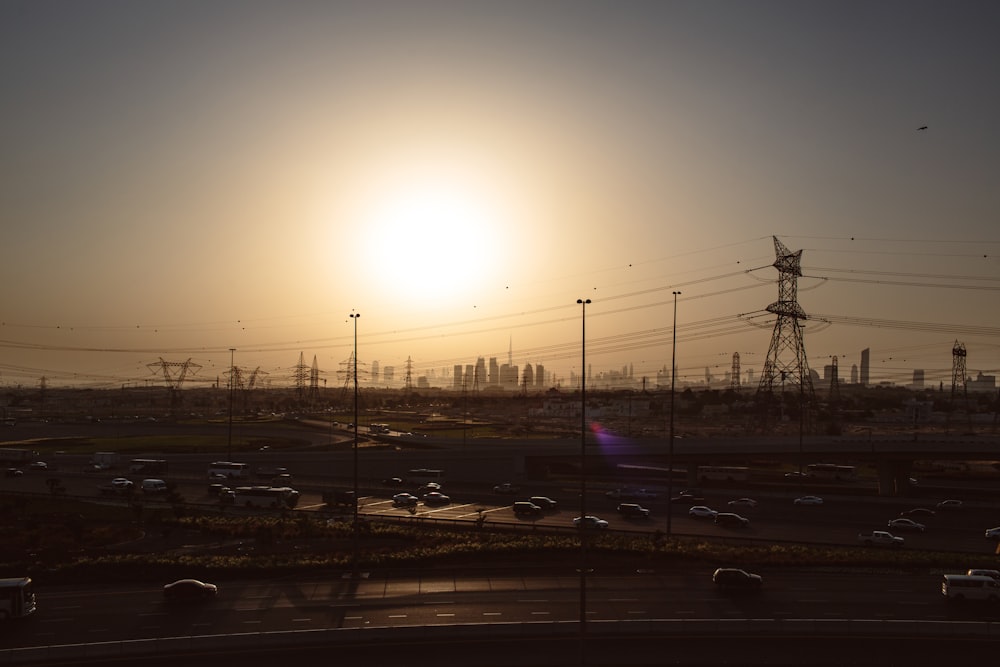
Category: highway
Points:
column 110, row 612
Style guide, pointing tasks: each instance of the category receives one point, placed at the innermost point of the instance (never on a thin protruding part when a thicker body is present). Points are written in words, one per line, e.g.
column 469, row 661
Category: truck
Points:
column 880, row 538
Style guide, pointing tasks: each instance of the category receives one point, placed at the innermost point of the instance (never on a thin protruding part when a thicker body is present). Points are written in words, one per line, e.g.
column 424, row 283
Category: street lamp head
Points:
column 676, row 293
column 584, row 301
column 355, row 315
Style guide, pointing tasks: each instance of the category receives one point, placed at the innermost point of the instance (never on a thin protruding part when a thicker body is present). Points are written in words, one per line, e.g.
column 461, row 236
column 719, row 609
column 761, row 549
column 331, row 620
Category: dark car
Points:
column 633, row 511
column 544, row 502
column 917, row 513
column 731, row 520
column 525, row 508
column 189, row 590
column 13, row 472
column 735, row 579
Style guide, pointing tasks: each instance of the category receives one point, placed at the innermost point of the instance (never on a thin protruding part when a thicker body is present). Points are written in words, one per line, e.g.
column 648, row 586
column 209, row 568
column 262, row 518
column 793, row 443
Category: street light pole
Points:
column 670, row 444
column 583, row 480
column 357, row 537
column 232, row 382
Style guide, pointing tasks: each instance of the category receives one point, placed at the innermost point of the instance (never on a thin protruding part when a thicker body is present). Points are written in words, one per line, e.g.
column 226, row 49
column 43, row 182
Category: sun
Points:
column 431, row 235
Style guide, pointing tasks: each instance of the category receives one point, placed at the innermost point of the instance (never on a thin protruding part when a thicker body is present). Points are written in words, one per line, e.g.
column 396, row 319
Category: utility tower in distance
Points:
column 734, row 376
column 786, row 356
column 959, row 386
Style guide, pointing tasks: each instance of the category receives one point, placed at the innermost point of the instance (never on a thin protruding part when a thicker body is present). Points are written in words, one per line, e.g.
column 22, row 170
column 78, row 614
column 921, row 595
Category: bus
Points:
column 831, row 471
column 723, row 473
column 148, row 467
column 425, row 476
column 11, row 455
column 276, row 497
column 17, row 598
column 227, row 469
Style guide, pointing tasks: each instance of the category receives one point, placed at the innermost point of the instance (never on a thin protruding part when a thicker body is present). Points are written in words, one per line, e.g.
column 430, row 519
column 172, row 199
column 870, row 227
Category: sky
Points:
column 179, row 179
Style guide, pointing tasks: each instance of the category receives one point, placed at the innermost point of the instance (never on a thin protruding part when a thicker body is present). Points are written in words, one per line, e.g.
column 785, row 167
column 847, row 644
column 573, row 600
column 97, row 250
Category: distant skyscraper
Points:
column 854, row 373
column 865, row 355
column 374, row 373
column 389, row 373
column 539, row 376
column 456, row 381
column 494, row 372
column 918, row 378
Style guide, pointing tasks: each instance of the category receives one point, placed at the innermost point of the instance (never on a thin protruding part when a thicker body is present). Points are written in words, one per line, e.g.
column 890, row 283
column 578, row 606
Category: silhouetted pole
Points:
column 357, row 535
column 232, row 383
column 583, row 480
column 670, row 445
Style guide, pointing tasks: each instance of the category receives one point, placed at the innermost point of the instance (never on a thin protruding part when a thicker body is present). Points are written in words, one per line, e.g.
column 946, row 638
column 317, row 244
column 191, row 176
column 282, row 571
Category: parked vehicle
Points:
column 17, row 598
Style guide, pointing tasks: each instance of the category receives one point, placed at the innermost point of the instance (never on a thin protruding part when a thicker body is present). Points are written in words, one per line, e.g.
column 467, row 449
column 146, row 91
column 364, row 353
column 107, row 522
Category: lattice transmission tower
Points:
column 174, row 372
column 734, row 376
column 786, row 357
column 300, row 375
column 959, row 386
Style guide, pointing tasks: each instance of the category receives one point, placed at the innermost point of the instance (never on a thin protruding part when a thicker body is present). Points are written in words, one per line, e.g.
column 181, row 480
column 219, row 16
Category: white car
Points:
column 589, row 522
column 702, row 512
column 436, row 498
column 907, row 524
column 404, row 500
column 122, row 483
column 809, row 500
column 993, row 533
column 743, row 502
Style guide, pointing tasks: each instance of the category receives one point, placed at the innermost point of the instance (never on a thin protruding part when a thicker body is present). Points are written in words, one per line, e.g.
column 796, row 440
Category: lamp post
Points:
column 583, row 479
column 232, row 383
column 357, row 537
column 670, row 444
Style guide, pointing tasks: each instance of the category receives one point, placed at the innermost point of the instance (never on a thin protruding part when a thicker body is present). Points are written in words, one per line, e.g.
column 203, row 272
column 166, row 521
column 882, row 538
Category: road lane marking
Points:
column 397, row 615
column 445, row 615
column 541, row 613
column 301, row 620
column 492, row 613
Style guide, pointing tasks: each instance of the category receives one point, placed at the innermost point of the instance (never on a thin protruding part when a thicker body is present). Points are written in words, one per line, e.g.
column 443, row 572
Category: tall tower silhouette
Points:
column 734, row 376
column 786, row 357
column 959, row 385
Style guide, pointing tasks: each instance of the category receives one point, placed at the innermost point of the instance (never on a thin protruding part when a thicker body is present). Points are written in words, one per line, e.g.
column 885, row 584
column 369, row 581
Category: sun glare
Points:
column 430, row 237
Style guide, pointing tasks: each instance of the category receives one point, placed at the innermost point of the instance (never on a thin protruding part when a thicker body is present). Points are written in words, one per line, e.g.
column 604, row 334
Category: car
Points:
column 189, row 590
column 435, row 498
column 38, row 465
column 506, row 489
column 907, row 524
column 633, row 511
column 993, row 574
column 917, row 512
column 632, row 494
column 950, row 505
column 13, row 472
column 525, row 508
column 404, row 500
column 544, row 502
column 687, row 496
column 795, row 474
column 428, row 488
column 702, row 512
column 393, row 481
column 808, row 500
column 590, row 522
column 122, row 483
column 993, row 533
column 731, row 520
column 743, row 502
column 734, row 579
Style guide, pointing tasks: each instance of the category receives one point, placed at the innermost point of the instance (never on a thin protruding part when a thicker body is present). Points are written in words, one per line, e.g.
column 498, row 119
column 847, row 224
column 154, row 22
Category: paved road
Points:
column 109, row 612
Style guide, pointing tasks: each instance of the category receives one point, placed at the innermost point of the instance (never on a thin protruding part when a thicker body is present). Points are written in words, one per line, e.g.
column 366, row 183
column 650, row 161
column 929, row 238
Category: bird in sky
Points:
column 922, row 127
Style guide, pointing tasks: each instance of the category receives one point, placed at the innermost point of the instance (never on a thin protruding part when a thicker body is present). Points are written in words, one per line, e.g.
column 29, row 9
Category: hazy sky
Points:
column 180, row 178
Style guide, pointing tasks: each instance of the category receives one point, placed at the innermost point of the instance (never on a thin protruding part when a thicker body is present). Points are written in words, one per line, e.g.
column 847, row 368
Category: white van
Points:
column 152, row 486
column 960, row 587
